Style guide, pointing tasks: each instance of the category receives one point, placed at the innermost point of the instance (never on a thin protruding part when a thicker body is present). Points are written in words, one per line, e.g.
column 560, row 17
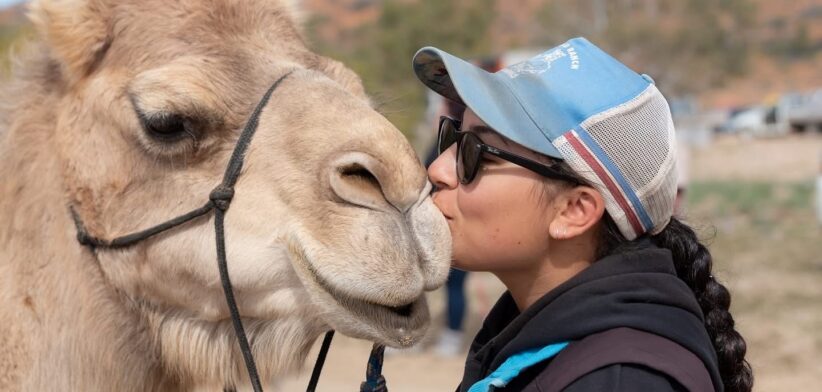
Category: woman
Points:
column 560, row 180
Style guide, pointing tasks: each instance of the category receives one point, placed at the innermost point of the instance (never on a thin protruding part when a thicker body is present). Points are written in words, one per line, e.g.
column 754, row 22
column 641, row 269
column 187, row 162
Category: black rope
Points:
column 221, row 198
column 374, row 380
column 318, row 365
column 235, row 164
column 219, row 201
column 245, row 348
column 127, row 240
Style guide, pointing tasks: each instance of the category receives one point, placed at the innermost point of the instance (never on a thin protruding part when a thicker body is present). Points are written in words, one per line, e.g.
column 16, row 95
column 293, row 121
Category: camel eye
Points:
column 166, row 127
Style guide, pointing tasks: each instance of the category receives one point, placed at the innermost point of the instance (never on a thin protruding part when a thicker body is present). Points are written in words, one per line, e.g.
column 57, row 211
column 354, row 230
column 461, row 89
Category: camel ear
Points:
column 295, row 10
column 77, row 30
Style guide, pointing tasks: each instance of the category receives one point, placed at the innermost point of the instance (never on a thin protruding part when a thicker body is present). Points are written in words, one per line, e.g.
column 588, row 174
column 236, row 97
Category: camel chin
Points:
column 389, row 325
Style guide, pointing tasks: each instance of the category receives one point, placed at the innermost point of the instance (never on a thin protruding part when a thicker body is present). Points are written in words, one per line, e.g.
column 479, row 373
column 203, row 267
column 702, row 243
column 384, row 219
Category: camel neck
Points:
column 53, row 287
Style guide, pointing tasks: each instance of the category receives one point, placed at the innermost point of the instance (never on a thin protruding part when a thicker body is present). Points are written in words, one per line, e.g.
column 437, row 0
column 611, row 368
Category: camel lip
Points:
column 394, row 326
column 404, row 310
column 400, row 312
column 390, row 325
column 407, row 318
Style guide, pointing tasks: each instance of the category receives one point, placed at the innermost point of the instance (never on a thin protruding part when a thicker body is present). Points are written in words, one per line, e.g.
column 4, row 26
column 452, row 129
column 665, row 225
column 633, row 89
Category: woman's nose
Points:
column 443, row 171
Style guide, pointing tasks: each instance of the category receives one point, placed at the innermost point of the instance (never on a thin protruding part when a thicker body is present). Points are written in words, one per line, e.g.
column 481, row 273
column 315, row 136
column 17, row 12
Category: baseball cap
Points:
column 576, row 103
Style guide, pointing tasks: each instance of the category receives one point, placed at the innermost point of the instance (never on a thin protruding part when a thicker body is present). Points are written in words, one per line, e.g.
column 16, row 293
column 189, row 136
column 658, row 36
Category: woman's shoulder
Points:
column 612, row 378
column 621, row 359
column 625, row 377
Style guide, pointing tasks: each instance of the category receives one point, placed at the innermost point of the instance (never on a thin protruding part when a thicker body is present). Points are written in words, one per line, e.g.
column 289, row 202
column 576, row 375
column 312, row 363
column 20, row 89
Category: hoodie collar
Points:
column 637, row 289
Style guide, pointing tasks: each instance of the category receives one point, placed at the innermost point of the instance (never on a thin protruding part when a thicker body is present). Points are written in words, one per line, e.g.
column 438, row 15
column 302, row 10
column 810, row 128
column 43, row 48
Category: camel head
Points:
column 331, row 225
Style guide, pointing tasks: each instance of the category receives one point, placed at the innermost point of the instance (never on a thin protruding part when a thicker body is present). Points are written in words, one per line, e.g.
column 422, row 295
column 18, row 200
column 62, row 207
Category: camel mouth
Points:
column 396, row 326
column 403, row 311
column 391, row 316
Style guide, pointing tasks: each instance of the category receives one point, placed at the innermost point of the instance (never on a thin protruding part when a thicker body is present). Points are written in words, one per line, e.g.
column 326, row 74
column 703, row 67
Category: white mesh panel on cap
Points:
column 581, row 167
column 635, row 135
column 635, row 139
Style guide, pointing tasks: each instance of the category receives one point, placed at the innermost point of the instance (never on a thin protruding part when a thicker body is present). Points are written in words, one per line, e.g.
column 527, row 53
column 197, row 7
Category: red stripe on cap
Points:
column 603, row 175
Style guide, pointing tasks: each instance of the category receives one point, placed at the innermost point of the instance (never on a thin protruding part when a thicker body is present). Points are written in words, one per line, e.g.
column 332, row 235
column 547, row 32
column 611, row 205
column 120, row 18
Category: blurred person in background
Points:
column 683, row 164
column 452, row 338
column 560, row 179
column 819, row 191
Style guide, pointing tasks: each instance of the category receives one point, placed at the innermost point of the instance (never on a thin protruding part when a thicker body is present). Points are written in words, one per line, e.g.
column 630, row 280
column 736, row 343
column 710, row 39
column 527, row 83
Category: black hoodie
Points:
column 638, row 289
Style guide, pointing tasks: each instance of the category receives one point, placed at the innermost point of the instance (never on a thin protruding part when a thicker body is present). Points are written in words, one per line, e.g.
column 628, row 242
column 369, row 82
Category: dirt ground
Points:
column 751, row 199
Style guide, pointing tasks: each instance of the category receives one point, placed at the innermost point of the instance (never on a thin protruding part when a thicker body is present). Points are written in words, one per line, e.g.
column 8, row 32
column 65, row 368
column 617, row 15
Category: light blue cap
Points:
column 538, row 100
column 575, row 102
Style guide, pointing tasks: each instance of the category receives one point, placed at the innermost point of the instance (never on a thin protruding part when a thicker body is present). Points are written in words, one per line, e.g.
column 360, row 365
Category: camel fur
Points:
column 128, row 111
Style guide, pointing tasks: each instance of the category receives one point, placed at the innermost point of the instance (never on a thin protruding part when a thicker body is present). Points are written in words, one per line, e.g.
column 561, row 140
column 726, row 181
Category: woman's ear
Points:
column 577, row 211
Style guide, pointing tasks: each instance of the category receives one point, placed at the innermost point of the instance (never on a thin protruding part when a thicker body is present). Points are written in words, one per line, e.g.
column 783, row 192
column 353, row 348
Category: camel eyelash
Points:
column 174, row 130
column 167, row 127
column 168, row 135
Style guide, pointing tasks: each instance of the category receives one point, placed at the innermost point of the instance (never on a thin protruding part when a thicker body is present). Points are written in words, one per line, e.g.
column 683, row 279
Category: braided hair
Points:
column 693, row 263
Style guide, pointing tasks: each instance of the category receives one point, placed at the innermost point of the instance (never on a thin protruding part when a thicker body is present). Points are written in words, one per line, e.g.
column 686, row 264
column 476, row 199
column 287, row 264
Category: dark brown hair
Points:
column 693, row 263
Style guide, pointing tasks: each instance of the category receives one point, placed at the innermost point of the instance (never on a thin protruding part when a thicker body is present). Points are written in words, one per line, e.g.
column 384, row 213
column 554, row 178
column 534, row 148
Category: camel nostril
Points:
column 366, row 181
column 355, row 178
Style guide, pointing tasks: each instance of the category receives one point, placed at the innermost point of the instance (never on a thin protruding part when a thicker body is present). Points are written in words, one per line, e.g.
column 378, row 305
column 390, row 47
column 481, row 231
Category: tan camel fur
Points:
column 128, row 111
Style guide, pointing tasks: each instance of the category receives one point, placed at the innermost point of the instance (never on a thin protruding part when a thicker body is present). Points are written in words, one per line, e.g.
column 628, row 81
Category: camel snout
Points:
column 433, row 239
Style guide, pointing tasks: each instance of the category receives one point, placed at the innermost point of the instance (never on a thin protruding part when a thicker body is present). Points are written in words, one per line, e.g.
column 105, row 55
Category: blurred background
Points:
column 744, row 80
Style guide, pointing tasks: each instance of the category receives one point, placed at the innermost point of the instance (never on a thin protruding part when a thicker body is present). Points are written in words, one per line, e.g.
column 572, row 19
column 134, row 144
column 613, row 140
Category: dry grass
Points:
column 767, row 245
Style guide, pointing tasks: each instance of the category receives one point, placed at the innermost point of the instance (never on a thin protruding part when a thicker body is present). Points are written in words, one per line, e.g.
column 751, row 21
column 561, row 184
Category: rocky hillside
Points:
column 784, row 37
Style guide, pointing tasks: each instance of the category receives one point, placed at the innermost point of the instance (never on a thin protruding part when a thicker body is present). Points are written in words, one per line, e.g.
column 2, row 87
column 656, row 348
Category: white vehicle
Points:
column 806, row 112
column 793, row 111
column 750, row 120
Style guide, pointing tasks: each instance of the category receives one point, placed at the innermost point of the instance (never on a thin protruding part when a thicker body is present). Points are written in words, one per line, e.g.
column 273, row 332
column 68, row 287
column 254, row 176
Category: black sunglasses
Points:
column 470, row 149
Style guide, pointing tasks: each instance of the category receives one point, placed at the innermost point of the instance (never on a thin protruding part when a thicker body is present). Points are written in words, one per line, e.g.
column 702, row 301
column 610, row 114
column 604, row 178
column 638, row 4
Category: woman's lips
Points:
column 445, row 214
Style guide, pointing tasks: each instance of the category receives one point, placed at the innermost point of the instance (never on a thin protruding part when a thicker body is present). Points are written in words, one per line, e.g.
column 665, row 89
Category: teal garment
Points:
column 514, row 365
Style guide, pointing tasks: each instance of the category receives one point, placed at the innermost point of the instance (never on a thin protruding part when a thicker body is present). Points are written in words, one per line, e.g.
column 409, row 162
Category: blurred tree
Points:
column 797, row 45
column 688, row 46
column 12, row 38
column 381, row 52
column 8, row 35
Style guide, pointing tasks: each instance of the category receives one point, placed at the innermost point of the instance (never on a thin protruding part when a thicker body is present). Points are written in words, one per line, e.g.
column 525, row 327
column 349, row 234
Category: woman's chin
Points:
column 456, row 264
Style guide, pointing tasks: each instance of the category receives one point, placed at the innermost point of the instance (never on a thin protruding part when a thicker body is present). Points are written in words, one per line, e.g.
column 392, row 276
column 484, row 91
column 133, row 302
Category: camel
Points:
column 127, row 112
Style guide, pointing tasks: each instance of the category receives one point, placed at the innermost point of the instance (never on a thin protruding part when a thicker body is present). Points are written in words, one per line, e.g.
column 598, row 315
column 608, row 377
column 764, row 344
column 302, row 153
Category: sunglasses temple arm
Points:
column 529, row 164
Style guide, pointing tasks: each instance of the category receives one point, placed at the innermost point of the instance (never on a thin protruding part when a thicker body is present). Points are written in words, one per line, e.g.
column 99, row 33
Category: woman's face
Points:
column 497, row 221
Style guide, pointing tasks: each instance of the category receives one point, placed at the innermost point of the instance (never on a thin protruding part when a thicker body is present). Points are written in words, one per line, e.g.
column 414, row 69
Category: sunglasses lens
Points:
column 468, row 158
column 447, row 135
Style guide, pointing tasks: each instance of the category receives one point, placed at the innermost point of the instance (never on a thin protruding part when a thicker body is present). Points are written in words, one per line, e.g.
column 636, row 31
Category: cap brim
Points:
column 486, row 94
